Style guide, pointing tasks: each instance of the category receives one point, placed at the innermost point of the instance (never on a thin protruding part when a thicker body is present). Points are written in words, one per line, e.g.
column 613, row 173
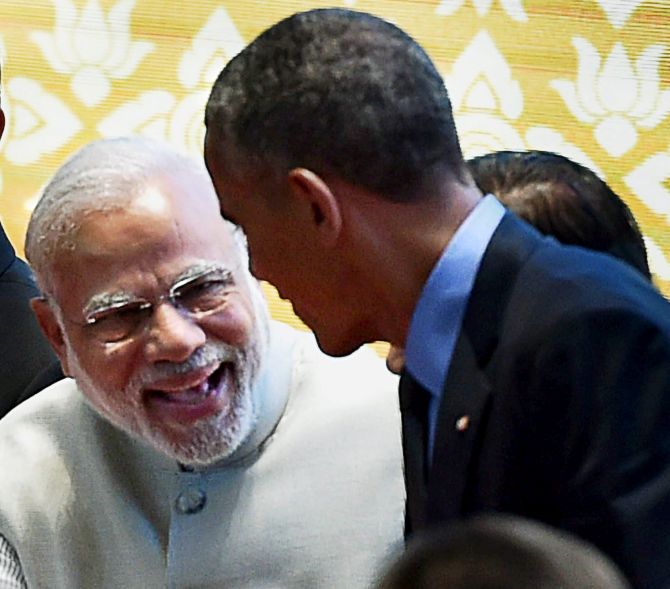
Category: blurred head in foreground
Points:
column 502, row 552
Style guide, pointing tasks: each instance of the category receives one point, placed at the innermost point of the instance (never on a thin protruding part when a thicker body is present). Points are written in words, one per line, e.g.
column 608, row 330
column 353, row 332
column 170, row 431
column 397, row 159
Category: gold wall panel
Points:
column 587, row 78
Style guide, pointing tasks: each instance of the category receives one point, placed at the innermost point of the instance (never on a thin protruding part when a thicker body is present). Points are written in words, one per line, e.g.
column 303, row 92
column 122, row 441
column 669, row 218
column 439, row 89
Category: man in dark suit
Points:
column 23, row 350
column 538, row 375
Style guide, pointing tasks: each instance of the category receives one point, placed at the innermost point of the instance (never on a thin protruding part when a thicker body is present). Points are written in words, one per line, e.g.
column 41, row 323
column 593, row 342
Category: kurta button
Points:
column 190, row 501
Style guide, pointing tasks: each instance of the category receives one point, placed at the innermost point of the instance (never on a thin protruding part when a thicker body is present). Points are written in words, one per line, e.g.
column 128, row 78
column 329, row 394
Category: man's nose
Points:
column 173, row 336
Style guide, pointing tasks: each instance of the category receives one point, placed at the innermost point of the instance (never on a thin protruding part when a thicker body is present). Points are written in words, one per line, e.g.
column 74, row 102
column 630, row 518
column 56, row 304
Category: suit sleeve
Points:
column 600, row 387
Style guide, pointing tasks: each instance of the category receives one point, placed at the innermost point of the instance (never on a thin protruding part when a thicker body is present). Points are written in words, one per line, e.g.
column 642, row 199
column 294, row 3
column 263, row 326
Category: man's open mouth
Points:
column 193, row 395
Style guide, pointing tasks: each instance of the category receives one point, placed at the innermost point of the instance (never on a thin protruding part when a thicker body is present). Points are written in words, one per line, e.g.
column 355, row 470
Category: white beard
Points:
column 211, row 439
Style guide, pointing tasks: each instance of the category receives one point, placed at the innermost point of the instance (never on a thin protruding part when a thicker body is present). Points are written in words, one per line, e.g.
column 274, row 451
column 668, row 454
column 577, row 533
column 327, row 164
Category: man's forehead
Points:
column 138, row 261
column 153, row 216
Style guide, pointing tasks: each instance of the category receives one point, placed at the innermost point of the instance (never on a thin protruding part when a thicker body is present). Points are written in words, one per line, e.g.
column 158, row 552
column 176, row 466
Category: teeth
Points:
column 202, row 388
column 195, row 394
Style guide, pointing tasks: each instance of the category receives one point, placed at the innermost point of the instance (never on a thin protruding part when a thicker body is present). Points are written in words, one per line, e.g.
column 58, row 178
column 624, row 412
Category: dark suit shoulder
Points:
column 18, row 277
column 574, row 347
column 23, row 348
column 559, row 285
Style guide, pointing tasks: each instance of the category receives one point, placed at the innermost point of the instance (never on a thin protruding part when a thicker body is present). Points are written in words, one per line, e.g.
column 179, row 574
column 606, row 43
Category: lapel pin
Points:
column 462, row 423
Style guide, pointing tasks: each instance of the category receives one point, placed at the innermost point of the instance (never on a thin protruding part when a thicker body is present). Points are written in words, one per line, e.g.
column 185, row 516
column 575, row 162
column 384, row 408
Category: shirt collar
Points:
column 438, row 315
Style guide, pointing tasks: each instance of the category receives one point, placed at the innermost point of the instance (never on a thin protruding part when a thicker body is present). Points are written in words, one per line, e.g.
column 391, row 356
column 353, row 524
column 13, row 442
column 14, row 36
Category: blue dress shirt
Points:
column 438, row 315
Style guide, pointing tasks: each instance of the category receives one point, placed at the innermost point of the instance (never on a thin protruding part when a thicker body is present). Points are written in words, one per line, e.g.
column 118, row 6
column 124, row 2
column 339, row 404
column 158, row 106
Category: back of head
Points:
column 563, row 199
column 102, row 177
column 342, row 92
column 502, row 552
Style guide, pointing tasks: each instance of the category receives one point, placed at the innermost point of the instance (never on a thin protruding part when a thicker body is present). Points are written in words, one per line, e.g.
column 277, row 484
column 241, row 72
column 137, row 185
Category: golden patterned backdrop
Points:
column 587, row 78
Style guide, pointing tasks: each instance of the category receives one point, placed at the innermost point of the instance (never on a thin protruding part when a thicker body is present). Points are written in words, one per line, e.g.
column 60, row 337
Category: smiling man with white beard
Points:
column 197, row 444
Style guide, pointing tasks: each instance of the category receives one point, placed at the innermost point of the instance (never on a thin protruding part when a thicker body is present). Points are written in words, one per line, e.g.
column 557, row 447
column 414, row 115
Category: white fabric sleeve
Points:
column 11, row 574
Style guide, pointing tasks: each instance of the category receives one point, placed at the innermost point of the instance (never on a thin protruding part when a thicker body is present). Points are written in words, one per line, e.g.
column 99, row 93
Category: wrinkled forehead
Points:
column 170, row 210
column 150, row 242
column 82, row 279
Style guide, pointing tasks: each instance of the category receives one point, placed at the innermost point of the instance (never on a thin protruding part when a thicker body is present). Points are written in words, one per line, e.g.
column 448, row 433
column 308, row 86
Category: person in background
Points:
column 501, row 552
column 24, row 352
column 197, row 443
column 563, row 199
column 537, row 376
column 560, row 198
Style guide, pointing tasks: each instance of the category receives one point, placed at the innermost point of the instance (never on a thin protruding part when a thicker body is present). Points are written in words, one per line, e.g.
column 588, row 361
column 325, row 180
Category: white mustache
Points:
column 208, row 354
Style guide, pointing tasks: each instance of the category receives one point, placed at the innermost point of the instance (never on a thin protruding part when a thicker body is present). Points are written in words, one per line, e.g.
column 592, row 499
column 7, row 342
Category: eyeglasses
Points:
column 196, row 296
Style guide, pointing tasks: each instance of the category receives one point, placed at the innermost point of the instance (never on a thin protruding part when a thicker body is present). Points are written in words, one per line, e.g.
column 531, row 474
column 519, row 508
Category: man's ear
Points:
column 52, row 330
column 2, row 121
column 324, row 207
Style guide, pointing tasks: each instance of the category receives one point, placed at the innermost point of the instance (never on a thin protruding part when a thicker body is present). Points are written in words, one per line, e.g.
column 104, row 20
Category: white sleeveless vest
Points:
column 315, row 500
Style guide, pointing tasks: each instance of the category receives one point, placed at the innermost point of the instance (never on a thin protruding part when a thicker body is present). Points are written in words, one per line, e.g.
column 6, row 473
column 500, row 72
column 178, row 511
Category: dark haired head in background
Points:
column 559, row 198
column 502, row 552
column 563, row 199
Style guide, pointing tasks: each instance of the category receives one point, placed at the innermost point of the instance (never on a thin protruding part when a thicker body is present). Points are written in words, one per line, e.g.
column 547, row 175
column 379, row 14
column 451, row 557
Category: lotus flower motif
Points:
column 619, row 11
column 487, row 101
column 650, row 182
column 481, row 80
column 38, row 122
column 159, row 114
column 514, row 8
column 217, row 42
column 616, row 97
column 659, row 264
column 92, row 47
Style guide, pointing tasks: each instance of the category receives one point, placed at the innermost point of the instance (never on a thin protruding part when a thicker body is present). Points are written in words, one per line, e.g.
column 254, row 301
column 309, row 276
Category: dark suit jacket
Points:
column 556, row 405
column 24, row 351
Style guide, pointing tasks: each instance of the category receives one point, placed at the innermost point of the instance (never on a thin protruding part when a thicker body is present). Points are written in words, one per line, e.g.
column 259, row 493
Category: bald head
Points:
column 104, row 177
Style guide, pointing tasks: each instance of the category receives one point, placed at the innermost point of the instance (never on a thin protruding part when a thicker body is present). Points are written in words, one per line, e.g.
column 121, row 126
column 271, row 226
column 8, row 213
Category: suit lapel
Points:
column 460, row 417
column 468, row 392
column 414, row 410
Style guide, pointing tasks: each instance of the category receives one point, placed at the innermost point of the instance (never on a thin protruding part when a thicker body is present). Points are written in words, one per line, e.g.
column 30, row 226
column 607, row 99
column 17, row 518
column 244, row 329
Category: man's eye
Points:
column 203, row 295
column 116, row 324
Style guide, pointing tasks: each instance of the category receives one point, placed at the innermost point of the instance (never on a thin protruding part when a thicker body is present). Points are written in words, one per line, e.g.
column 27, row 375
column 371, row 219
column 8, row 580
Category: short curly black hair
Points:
column 339, row 91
